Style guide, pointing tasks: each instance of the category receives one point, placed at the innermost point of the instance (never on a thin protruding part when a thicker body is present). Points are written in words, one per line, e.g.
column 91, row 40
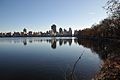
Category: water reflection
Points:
column 45, row 63
column 109, row 52
column 25, row 42
column 102, row 48
column 53, row 41
column 70, row 75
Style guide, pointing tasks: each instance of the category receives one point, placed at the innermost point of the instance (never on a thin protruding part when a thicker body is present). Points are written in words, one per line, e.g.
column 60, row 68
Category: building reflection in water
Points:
column 60, row 42
column 53, row 41
column 108, row 51
column 25, row 42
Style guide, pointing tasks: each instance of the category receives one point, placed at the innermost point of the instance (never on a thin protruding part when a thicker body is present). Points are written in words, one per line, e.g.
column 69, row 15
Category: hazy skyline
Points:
column 39, row 15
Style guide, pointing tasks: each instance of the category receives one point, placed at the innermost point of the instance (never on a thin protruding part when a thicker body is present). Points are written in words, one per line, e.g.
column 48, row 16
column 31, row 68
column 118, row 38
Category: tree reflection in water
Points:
column 109, row 52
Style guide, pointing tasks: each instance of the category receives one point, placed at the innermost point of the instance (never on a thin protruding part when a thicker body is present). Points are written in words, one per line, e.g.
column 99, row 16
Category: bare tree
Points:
column 113, row 8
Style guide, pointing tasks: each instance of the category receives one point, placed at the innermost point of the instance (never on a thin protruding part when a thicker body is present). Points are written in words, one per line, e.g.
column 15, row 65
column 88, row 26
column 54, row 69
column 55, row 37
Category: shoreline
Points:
column 98, row 38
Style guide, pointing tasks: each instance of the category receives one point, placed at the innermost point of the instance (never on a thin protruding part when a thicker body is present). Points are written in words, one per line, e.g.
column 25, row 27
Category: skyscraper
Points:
column 60, row 30
column 25, row 30
column 53, row 27
column 70, row 32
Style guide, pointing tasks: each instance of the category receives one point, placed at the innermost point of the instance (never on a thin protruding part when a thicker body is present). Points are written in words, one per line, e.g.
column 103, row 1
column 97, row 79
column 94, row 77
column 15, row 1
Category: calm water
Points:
column 47, row 59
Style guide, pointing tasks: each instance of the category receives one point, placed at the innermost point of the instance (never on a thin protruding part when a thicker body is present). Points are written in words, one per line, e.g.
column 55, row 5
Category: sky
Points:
column 39, row 15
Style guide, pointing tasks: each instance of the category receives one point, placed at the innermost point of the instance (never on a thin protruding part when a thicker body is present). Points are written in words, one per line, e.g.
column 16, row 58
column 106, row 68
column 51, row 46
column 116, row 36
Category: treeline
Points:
column 107, row 28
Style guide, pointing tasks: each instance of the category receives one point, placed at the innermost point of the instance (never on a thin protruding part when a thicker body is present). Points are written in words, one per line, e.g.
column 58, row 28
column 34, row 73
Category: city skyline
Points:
column 50, row 33
column 39, row 14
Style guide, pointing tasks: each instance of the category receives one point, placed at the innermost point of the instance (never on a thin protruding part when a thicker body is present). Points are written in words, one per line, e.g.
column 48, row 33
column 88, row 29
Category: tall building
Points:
column 76, row 33
column 53, row 27
column 65, row 32
column 25, row 30
column 70, row 32
column 30, row 33
column 60, row 30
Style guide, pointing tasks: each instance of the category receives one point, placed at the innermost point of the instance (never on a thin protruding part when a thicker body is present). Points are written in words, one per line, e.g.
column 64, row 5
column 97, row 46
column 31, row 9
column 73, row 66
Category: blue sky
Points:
column 39, row 15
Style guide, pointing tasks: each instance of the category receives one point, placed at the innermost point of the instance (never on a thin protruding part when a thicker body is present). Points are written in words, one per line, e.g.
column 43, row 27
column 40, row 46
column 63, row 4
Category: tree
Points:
column 113, row 8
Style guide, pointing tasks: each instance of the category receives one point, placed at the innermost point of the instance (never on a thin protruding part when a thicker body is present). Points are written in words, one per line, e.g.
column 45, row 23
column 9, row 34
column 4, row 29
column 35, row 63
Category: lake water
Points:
column 42, row 58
